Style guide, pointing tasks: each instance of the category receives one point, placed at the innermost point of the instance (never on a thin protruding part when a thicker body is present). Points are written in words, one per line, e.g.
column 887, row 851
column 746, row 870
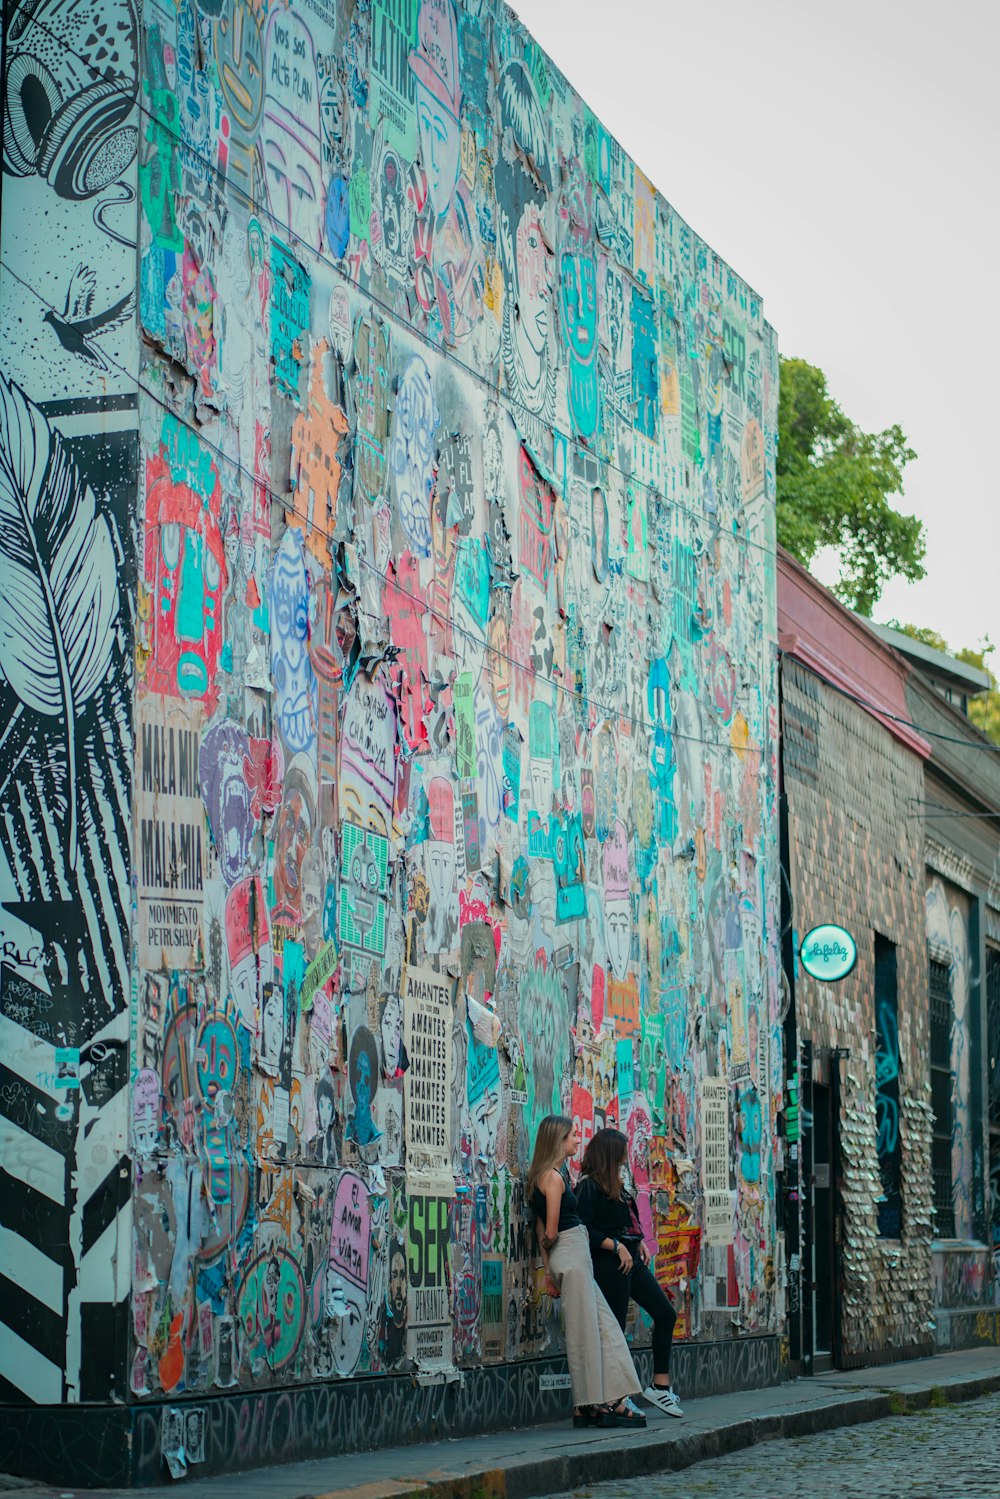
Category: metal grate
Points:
column 944, row 1202
column 942, row 1017
column 941, row 1013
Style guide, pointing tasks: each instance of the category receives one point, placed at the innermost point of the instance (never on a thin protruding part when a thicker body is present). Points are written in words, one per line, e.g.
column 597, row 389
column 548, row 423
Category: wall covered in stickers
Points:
column 453, row 777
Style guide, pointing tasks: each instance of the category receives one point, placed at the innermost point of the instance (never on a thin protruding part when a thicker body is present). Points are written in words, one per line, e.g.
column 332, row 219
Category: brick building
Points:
column 857, row 1179
column 961, row 816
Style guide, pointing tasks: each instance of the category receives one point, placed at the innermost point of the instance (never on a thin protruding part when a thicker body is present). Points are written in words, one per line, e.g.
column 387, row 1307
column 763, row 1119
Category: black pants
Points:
column 642, row 1287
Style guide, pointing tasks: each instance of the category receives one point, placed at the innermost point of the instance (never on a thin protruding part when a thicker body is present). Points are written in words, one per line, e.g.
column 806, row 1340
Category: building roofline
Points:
column 960, row 674
column 876, row 679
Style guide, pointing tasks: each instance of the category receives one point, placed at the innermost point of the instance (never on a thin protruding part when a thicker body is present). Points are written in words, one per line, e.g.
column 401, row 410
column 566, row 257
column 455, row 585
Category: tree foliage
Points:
column 834, row 488
column 984, row 708
column 925, row 635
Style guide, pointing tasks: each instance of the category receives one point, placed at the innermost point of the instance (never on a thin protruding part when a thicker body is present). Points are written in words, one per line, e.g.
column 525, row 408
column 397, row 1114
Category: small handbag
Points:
column 633, row 1236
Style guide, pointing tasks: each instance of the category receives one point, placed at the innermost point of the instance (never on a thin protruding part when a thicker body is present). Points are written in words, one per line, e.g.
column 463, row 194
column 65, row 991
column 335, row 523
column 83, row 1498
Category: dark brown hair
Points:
column 603, row 1159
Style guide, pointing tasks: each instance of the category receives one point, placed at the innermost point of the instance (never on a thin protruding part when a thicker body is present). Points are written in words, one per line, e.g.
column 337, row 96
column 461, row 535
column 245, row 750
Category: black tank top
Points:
column 569, row 1212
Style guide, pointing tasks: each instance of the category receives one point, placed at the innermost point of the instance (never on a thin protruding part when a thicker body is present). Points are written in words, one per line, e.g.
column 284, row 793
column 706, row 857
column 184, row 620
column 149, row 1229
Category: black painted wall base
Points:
column 871, row 1358
column 103, row 1446
column 966, row 1327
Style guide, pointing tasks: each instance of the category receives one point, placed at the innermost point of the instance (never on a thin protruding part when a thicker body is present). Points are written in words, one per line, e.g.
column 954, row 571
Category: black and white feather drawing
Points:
column 60, row 605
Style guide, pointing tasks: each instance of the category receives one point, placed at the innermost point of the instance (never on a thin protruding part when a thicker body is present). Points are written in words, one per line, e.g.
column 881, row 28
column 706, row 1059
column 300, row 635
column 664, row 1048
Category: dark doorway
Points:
column 824, row 1267
column 888, row 1141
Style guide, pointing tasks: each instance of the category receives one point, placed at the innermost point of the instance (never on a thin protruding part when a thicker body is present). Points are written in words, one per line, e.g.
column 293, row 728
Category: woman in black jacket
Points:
column 621, row 1259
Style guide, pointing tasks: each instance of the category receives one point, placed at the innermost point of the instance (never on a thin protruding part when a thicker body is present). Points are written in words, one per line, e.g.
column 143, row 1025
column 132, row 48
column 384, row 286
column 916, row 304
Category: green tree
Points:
column 924, row 634
column 834, row 484
column 984, row 708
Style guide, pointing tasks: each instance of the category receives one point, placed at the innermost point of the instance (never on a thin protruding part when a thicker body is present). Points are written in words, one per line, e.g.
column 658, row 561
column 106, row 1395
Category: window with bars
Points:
column 942, row 1018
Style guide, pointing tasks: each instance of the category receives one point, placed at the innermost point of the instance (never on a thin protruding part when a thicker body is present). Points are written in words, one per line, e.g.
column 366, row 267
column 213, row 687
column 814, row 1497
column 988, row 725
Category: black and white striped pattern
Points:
column 65, row 1219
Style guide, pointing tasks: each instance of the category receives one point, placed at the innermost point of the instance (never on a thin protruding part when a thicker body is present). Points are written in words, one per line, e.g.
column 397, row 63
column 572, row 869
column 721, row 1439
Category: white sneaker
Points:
column 664, row 1400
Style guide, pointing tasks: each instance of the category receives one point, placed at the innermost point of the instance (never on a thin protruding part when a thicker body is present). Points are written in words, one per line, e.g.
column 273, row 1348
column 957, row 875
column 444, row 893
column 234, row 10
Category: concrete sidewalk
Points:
column 548, row 1459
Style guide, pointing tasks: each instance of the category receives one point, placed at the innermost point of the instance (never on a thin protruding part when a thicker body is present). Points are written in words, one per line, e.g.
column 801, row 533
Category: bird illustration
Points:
column 76, row 326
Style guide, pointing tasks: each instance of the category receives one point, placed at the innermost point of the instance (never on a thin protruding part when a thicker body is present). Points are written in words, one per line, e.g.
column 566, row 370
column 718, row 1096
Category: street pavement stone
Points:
column 853, row 1409
column 944, row 1452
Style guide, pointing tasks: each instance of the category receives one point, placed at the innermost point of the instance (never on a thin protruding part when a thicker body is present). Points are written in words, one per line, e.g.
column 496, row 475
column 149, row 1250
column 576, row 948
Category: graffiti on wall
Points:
column 454, row 770
column 993, row 1093
column 888, row 1140
column 948, row 939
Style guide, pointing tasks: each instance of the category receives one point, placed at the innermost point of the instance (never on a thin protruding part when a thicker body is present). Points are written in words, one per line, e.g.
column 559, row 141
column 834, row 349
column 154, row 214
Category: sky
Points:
column 844, row 161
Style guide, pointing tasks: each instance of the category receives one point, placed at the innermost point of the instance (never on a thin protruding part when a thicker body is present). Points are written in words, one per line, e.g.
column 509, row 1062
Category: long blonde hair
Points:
column 549, row 1152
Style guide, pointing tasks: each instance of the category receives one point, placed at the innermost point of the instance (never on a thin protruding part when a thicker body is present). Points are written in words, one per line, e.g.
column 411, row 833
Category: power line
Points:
column 740, row 538
column 947, row 816
column 448, row 354
column 907, row 723
column 608, row 712
column 941, row 809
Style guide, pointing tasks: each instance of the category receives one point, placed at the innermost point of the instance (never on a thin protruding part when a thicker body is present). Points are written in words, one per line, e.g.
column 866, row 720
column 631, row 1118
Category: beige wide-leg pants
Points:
column 600, row 1365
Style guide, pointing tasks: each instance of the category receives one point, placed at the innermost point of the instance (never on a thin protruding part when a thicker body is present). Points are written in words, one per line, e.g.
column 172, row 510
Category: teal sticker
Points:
column 67, row 1067
column 361, row 203
column 828, row 953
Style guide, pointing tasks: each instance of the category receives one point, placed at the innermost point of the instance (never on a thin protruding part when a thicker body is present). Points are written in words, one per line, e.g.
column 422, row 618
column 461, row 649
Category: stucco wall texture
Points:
column 424, row 680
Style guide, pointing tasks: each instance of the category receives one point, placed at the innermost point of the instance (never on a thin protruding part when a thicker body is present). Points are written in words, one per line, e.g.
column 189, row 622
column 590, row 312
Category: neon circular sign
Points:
column 828, row 953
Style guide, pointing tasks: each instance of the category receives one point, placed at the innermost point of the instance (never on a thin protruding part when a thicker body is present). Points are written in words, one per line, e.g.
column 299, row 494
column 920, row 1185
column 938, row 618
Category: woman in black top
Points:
column 621, row 1259
column 601, row 1370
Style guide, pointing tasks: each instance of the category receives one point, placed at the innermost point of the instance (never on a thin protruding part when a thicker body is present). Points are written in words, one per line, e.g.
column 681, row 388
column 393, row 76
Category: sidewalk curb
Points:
column 649, row 1453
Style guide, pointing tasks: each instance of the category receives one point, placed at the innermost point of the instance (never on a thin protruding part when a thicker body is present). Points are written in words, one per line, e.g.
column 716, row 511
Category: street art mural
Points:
column 948, row 941
column 68, row 491
column 442, row 604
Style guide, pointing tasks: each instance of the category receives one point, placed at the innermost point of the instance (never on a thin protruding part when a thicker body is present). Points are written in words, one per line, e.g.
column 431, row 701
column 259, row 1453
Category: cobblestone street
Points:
column 946, row 1453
